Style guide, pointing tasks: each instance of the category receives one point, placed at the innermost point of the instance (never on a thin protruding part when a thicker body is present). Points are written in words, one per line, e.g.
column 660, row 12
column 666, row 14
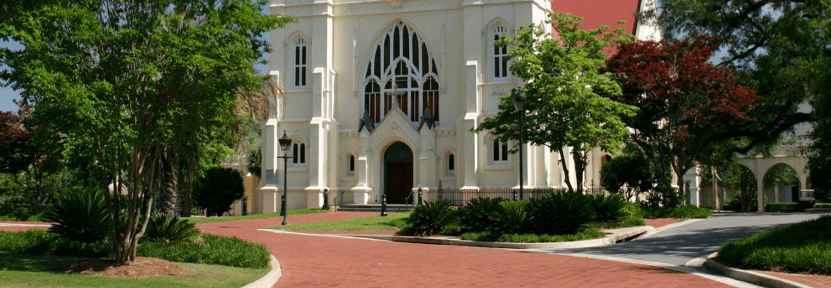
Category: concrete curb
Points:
column 750, row 276
column 447, row 240
column 271, row 278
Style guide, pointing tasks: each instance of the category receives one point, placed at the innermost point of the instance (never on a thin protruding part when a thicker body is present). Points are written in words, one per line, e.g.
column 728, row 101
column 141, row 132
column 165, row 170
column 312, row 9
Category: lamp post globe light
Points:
column 519, row 105
column 285, row 142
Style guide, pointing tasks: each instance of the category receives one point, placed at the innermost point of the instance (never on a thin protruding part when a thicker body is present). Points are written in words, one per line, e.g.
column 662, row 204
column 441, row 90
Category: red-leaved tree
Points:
column 689, row 109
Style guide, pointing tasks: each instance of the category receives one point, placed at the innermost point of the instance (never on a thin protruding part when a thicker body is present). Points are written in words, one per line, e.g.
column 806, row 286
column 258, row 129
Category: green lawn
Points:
column 26, row 270
column 197, row 220
column 376, row 223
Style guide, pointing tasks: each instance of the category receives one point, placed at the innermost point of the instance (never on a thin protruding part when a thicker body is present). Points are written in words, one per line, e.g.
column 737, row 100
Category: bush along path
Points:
column 315, row 261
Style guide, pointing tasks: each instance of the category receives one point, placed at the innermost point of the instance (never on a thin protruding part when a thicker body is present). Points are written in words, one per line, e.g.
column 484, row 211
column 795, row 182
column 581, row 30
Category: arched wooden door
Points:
column 398, row 172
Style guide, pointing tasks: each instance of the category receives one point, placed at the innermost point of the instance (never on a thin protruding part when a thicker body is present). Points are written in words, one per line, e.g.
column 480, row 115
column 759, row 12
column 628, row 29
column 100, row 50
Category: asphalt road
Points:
column 679, row 245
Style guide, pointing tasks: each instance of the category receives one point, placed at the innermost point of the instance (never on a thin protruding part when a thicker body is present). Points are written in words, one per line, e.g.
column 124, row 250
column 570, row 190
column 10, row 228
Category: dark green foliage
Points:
column 11, row 212
column 512, row 217
column 632, row 170
column 609, row 208
column 822, row 205
column 478, row 213
column 80, row 214
column 803, row 247
column 821, row 166
column 783, row 207
column 216, row 250
column 665, row 197
column 218, row 189
column 561, row 213
column 688, row 211
column 431, row 218
column 170, row 230
column 43, row 242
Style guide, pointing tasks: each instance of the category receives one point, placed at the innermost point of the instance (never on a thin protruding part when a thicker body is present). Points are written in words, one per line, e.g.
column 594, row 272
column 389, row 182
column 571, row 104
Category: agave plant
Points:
column 170, row 230
column 80, row 214
column 561, row 212
column 477, row 215
column 609, row 208
column 430, row 218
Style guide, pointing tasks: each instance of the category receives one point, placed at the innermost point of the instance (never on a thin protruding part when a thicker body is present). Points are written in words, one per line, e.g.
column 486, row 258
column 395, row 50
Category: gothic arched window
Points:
column 401, row 62
column 300, row 63
column 500, row 55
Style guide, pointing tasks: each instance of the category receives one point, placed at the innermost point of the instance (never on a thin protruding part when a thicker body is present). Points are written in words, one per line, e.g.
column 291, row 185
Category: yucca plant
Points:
column 561, row 213
column 609, row 208
column 430, row 218
column 512, row 217
column 170, row 230
column 477, row 215
column 80, row 214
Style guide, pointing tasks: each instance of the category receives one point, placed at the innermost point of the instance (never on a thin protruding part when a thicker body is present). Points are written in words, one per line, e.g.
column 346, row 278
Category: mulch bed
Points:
column 142, row 267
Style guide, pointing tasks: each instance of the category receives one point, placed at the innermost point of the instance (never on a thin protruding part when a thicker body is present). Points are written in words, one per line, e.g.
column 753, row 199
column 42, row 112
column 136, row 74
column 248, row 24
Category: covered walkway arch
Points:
column 791, row 155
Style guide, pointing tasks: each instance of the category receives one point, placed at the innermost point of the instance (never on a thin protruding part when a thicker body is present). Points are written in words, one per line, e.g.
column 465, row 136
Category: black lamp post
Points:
column 519, row 104
column 285, row 142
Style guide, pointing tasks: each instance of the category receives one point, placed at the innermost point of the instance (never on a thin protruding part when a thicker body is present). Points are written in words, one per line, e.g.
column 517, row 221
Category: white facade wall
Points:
column 340, row 38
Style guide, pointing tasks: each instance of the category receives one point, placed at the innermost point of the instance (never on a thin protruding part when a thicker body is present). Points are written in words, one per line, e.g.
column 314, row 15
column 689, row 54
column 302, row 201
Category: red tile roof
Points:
column 600, row 12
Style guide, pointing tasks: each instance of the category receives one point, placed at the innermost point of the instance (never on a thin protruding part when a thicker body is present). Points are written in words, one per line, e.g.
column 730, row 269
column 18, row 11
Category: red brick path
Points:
column 319, row 261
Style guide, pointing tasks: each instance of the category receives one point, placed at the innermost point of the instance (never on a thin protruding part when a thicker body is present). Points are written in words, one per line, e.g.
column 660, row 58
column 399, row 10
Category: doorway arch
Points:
column 398, row 172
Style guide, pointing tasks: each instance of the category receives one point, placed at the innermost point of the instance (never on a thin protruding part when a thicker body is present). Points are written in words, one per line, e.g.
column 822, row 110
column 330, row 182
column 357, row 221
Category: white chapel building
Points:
column 382, row 96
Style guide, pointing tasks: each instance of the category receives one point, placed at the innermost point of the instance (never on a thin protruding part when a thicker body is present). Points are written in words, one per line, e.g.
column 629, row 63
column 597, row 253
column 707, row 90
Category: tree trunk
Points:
column 565, row 170
column 170, row 184
column 579, row 157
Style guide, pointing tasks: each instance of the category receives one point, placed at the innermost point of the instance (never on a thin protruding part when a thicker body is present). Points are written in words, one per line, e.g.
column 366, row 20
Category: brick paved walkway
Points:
column 315, row 261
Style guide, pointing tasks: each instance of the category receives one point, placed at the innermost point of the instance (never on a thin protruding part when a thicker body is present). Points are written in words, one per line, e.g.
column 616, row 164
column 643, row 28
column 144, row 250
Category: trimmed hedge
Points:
column 822, row 205
column 783, row 207
column 801, row 247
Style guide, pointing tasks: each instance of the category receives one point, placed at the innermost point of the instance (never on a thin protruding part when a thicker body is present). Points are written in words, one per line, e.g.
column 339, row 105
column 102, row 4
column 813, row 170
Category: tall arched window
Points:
column 500, row 55
column 401, row 59
column 300, row 63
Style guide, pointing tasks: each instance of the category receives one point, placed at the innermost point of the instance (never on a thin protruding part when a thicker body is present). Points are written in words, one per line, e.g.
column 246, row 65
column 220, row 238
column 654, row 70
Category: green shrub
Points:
column 608, row 208
column 218, row 189
column 803, row 247
column 170, row 230
column 478, row 214
column 43, row 242
column 430, row 218
column 80, row 214
column 216, row 250
column 512, row 217
column 560, row 213
column 782, row 207
column 822, row 205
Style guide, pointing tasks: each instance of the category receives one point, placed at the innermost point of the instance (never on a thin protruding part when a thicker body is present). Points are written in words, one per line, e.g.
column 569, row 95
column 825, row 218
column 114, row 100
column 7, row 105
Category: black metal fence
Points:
column 460, row 197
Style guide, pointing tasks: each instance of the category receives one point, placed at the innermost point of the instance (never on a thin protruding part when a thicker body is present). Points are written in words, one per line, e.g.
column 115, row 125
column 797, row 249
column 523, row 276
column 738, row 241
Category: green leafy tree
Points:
column 563, row 108
column 132, row 81
column 632, row 171
column 781, row 49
